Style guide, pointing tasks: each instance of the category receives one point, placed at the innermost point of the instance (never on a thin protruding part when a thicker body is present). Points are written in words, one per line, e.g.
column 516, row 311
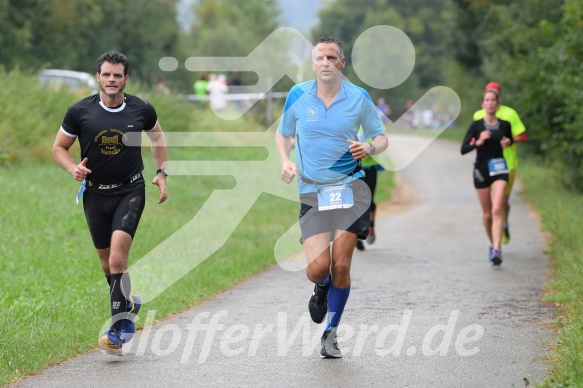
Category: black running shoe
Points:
column 496, row 257
column 359, row 245
column 318, row 304
column 329, row 343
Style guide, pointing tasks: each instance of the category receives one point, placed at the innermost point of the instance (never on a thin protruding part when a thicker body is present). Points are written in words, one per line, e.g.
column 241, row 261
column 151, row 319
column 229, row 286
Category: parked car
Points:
column 83, row 83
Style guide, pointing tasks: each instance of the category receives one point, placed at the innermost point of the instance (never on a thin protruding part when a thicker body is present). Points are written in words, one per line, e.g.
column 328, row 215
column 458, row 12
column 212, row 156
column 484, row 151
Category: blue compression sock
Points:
column 337, row 298
column 325, row 282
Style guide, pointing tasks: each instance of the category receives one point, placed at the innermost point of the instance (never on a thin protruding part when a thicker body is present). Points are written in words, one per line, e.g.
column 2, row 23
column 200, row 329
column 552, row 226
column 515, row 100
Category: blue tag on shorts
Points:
column 81, row 191
column 497, row 166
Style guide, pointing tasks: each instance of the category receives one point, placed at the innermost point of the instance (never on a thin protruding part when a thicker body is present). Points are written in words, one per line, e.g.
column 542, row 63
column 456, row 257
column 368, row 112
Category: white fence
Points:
column 269, row 96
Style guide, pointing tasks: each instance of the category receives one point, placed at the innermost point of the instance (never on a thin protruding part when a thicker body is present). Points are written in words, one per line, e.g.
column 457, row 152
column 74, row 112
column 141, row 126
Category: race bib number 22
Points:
column 335, row 197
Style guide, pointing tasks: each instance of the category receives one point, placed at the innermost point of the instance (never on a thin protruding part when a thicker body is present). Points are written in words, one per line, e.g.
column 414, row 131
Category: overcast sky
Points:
column 299, row 14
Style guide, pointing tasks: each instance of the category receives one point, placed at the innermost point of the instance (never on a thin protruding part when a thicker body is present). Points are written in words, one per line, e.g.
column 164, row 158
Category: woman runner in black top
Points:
column 488, row 137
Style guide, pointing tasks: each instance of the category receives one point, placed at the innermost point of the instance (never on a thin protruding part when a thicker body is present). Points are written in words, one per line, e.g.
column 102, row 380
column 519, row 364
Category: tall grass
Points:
column 53, row 295
column 30, row 117
column 561, row 213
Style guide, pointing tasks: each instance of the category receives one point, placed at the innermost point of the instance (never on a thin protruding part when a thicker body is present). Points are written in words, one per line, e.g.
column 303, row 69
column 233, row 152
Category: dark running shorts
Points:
column 482, row 178
column 355, row 219
column 370, row 178
column 107, row 213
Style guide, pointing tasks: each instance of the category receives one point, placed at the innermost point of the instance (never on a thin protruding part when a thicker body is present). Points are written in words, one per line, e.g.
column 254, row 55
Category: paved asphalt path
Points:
column 426, row 309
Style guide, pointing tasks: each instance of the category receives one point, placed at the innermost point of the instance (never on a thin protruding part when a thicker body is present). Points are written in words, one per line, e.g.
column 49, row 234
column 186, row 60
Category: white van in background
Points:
column 83, row 83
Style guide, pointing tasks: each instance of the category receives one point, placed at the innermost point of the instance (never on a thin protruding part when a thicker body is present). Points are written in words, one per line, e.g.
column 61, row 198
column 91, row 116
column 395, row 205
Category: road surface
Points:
column 426, row 309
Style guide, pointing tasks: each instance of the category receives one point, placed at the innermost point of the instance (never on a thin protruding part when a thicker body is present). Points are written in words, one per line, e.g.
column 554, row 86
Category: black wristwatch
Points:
column 163, row 171
column 373, row 149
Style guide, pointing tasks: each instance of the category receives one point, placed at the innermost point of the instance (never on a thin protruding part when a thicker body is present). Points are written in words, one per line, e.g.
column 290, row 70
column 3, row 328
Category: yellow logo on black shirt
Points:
column 109, row 141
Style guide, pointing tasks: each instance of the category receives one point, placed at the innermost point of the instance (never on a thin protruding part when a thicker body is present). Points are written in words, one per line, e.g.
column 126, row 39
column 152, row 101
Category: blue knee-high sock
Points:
column 325, row 282
column 337, row 298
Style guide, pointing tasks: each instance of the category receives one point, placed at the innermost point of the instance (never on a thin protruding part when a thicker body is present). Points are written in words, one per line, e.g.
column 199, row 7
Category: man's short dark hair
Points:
column 331, row 39
column 113, row 57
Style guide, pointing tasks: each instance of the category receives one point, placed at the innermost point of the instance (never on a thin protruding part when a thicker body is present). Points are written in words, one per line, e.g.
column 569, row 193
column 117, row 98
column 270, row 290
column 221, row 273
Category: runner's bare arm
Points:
column 288, row 168
column 160, row 153
column 64, row 158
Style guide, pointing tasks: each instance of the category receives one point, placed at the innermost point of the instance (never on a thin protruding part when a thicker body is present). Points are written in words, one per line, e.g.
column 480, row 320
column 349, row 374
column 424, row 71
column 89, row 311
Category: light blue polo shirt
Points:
column 322, row 133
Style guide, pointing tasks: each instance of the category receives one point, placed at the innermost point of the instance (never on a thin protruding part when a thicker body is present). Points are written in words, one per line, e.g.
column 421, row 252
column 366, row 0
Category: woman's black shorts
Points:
column 482, row 178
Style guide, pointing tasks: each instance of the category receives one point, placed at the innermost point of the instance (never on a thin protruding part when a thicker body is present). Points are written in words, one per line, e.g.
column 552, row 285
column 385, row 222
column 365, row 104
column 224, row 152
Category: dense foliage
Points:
column 535, row 50
column 71, row 34
column 426, row 23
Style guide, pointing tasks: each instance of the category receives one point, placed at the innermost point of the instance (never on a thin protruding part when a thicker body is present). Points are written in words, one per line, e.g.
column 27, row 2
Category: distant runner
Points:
column 518, row 135
column 488, row 137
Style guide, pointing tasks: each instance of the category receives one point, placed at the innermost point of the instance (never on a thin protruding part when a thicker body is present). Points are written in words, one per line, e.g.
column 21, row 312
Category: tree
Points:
column 534, row 49
column 63, row 33
column 462, row 41
column 230, row 28
column 71, row 34
column 423, row 21
column 16, row 19
column 563, row 67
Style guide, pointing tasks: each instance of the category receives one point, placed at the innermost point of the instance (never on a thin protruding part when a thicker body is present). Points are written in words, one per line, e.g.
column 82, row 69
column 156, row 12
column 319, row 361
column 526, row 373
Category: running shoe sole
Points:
column 108, row 347
column 324, row 354
column 496, row 259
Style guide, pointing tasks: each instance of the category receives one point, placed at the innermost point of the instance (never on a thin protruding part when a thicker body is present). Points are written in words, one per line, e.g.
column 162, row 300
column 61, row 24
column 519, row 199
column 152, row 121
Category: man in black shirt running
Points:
column 113, row 183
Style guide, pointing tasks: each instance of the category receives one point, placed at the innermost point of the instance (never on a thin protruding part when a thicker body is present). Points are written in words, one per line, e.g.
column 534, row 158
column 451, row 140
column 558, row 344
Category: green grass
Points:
column 560, row 210
column 54, row 296
column 385, row 182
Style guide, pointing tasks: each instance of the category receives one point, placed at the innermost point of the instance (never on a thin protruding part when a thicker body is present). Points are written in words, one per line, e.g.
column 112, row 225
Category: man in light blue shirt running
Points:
column 324, row 116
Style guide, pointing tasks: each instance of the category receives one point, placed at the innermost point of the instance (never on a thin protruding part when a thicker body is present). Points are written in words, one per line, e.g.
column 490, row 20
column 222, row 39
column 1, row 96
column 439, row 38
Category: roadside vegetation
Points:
column 560, row 212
